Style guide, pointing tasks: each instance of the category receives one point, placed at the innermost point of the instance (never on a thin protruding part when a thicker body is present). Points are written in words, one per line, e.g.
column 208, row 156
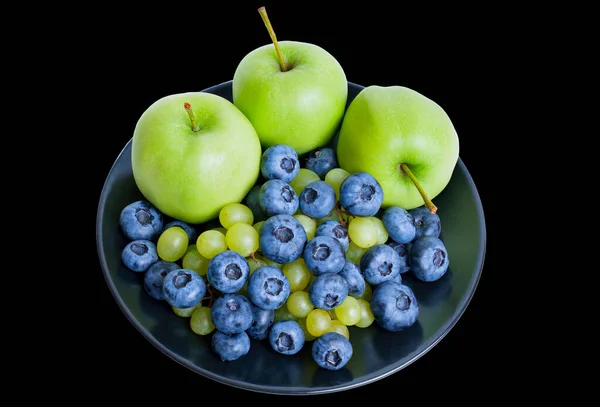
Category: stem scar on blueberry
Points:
column 402, row 167
column 188, row 109
column 265, row 18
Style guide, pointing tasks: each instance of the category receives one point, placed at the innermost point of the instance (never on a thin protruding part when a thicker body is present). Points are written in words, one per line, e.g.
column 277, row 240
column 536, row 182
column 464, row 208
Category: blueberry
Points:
column 399, row 224
column 282, row 239
column 138, row 255
column 324, row 254
column 277, row 197
column 252, row 202
column 183, row 288
column 228, row 271
column 231, row 314
column 230, row 347
column 321, row 161
column 394, row 306
column 189, row 229
column 140, row 220
column 402, row 250
column 426, row 223
column 380, row 263
column 361, row 194
column 332, row 351
column 328, row 291
column 317, row 199
column 286, row 337
column 334, row 229
column 354, row 278
column 262, row 320
column 154, row 277
column 280, row 162
column 268, row 287
column 397, row 279
column 428, row 258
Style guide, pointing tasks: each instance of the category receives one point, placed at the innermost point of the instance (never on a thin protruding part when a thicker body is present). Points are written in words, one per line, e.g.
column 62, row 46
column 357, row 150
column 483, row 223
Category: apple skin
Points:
column 302, row 107
column 385, row 126
column 191, row 175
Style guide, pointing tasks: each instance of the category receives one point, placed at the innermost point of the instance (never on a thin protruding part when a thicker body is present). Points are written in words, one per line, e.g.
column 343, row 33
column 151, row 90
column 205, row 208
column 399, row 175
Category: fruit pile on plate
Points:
column 258, row 223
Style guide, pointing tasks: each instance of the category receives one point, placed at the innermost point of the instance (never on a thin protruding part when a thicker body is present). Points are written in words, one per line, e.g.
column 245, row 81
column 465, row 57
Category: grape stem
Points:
column 263, row 13
column 254, row 257
column 188, row 109
column 432, row 208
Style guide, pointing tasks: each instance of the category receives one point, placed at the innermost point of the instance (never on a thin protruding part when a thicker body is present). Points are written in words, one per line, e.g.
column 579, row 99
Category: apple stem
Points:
column 188, row 109
column 432, row 208
column 265, row 18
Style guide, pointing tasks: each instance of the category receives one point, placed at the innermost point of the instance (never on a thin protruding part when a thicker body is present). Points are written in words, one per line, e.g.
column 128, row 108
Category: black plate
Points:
column 377, row 353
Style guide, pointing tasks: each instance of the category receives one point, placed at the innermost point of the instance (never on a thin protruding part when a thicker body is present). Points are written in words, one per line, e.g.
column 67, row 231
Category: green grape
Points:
column 193, row 260
column 318, row 322
column 200, row 321
column 299, row 305
column 304, row 177
column 258, row 226
column 355, row 253
column 234, row 213
column 307, row 335
column 309, row 225
column 190, row 248
column 332, row 216
column 367, row 293
column 335, row 177
column 382, row 234
column 242, row 238
column 363, row 232
column 310, row 281
column 339, row 327
column 366, row 316
column 269, row 262
column 283, row 314
column 297, row 274
column 210, row 243
column 172, row 244
column 222, row 230
column 186, row 312
column 348, row 312
column 255, row 263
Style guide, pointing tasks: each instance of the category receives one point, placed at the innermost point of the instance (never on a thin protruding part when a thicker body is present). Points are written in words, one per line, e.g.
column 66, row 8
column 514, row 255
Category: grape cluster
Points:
column 307, row 254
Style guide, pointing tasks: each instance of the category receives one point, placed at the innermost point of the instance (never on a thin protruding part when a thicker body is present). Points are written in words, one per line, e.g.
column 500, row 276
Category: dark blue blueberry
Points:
column 361, row 194
column 426, row 223
column 324, row 254
column 397, row 279
column 189, row 229
column 230, row 347
column 138, row 255
column 228, row 271
column 286, row 337
column 277, row 197
column 334, row 229
column 354, row 278
column 268, row 288
column 252, row 202
column 280, row 162
column 141, row 221
column 231, row 314
column 183, row 288
column 394, row 306
column 262, row 319
column 317, row 199
column 332, row 351
column 379, row 264
column 328, row 291
column 282, row 239
column 428, row 258
column 402, row 250
column 321, row 161
column 154, row 277
column 399, row 224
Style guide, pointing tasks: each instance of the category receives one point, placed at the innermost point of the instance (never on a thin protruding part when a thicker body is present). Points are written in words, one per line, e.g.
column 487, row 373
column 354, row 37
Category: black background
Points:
column 452, row 56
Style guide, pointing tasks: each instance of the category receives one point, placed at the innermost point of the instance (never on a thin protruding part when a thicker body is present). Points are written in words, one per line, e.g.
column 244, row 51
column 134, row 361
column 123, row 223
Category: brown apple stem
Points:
column 265, row 18
column 188, row 109
column 432, row 208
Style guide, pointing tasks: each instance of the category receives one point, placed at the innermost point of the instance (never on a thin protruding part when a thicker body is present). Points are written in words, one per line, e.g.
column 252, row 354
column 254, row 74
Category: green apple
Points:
column 402, row 138
column 193, row 153
column 294, row 93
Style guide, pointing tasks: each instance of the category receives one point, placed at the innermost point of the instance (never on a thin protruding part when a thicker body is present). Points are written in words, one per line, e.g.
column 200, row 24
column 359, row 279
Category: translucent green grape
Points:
column 382, row 234
column 242, row 238
column 172, row 244
column 354, row 253
column 366, row 316
column 200, row 321
column 234, row 213
column 297, row 274
column 339, row 327
column 193, row 260
column 309, row 225
column 210, row 243
column 335, row 177
column 362, row 232
column 299, row 305
column 348, row 312
column 304, row 177
column 318, row 322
